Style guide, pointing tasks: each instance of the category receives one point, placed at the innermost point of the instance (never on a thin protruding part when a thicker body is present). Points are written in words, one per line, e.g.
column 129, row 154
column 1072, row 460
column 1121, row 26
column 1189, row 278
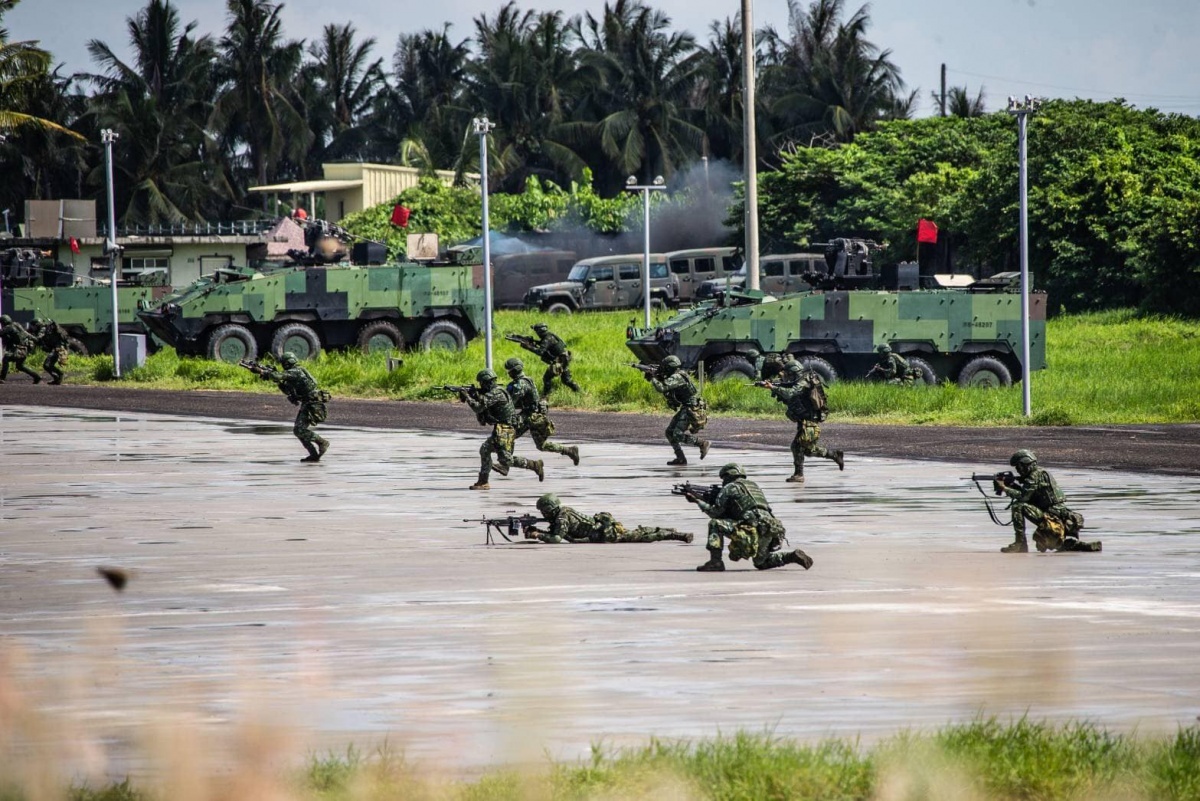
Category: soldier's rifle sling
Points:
column 1004, row 476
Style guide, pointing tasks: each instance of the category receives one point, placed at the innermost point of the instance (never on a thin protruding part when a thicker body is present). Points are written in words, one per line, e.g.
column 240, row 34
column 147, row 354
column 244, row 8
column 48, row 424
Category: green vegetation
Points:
column 982, row 760
column 1110, row 367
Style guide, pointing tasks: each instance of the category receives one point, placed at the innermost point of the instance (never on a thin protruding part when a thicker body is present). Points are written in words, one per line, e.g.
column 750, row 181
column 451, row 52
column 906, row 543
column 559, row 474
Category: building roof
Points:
column 302, row 187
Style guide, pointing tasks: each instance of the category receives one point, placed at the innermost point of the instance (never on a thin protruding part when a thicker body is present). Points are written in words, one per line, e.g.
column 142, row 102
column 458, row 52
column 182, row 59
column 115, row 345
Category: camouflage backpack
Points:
column 818, row 405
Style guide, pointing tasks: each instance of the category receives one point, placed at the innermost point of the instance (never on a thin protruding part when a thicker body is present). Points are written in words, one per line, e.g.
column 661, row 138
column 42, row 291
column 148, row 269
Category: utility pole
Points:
column 631, row 185
column 107, row 137
column 1022, row 110
column 943, row 96
column 750, row 145
column 481, row 126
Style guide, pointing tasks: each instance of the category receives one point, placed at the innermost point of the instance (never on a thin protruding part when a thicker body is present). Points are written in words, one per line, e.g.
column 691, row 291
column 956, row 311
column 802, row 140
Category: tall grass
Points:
column 1111, row 367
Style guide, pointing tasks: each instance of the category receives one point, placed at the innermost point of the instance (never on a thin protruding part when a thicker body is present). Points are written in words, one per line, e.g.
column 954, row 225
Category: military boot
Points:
column 680, row 536
column 571, row 383
column 538, row 466
column 573, row 452
column 1071, row 544
column 1017, row 546
column 37, row 379
column 704, row 446
column 502, row 469
column 679, row 459
column 481, row 483
column 839, row 458
column 797, row 477
column 798, row 557
column 322, row 446
column 714, row 563
column 313, row 456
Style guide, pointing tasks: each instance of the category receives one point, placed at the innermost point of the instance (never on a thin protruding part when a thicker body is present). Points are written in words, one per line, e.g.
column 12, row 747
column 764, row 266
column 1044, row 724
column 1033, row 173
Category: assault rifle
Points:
column 1004, row 477
column 462, row 391
column 647, row 369
column 255, row 367
column 528, row 343
column 696, row 491
column 510, row 527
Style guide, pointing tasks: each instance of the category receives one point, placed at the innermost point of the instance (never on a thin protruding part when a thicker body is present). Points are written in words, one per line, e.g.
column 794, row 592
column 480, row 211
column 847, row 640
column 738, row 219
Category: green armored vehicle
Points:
column 238, row 313
column 946, row 327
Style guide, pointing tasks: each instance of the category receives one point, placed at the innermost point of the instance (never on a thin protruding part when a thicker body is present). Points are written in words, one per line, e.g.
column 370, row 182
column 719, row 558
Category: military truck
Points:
column 956, row 328
column 34, row 287
column 238, row 312
column 606, row 282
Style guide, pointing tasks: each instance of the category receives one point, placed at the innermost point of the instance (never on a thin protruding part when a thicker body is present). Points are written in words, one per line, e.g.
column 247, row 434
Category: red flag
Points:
column 400, row 216
column 75, row 246
column 926, row 232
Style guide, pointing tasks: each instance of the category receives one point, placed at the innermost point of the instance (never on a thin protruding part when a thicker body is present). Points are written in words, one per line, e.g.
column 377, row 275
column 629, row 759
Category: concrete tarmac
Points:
column 348, row 601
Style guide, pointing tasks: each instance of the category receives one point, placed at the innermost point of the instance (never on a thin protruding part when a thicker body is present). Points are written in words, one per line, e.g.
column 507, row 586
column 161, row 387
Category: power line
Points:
column 1195, row 98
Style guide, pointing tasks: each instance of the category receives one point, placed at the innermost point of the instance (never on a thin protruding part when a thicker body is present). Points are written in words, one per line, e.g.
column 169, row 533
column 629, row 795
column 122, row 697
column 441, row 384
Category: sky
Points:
column 1143, row 51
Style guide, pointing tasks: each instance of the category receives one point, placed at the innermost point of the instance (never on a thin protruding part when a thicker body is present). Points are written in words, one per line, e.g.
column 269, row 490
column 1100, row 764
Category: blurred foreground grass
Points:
column 981, row 761
column 1111, row 367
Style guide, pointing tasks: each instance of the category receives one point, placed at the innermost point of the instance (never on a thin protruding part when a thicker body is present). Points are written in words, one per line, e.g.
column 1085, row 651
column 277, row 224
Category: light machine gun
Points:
column 511, row 528
column 697, row 491
column 1005, row 477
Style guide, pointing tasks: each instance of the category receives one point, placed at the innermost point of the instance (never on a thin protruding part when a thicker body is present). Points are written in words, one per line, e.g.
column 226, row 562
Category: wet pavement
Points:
column 349, row 602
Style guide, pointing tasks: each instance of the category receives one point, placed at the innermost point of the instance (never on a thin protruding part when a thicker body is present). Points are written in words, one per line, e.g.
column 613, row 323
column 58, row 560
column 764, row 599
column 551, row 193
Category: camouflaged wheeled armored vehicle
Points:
column 238, row 313
column 952, row 328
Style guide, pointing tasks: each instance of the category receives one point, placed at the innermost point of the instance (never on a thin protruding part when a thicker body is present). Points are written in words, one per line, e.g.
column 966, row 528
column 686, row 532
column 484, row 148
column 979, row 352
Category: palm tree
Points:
column 524, row 79
column 430, row 74
column 640, row 102
column 257, row 107
column 339, row 86
column 827, row 77
column 159, row 104
column 23, row 70
column 961, row 104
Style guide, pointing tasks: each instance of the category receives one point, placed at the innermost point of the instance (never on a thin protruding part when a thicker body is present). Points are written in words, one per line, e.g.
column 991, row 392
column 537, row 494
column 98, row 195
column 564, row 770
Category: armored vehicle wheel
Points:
column 733, row 366
column 443, row 335
column 380, row 337
column 231, row 343
column 928, row 375
column 985, row 371
column 297, row 338
column 558, row 308
column 820, row 367
column 76, row 346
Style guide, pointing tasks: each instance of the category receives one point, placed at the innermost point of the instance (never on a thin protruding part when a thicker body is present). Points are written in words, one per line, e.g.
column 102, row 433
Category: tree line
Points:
column 201, row 116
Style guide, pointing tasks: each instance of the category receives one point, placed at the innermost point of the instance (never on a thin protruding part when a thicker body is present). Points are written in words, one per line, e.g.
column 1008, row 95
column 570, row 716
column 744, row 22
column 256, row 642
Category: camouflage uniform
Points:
column 17, row 344
column 301, row 389
column 493, row 407
column 893, row 368
column 533, row 412
column 1036, row 497
column 691, row 412
column 794, row 394
column 553, row 351
column 568, row 525
column 741, row 514
column 53, row 340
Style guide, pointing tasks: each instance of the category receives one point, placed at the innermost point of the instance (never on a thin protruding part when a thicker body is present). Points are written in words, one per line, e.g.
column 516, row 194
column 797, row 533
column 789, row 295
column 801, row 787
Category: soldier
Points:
column 1036, row 497
column 53, row 340
column 568, row 525
column 534, row 412
column 17, row 344
column 741, row 514
column 891, row 367
column 301, row 389
column 493, row 407
column 803, row 393
column 756, row 360
column 691, row 412
column 553, row 351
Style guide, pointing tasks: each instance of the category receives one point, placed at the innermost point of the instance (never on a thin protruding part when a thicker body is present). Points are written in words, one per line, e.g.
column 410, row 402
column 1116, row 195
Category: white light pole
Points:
column 749, row 146
column 108, row 136
column 481, row 127
column 632, row 185
column 1022, row 110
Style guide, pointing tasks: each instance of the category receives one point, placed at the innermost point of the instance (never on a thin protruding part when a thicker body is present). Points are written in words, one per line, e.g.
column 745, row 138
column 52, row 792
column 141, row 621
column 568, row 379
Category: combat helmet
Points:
column 884, row 348
column 5, row 319
column 731, row 471
column 548, row 503
column 672, row 362
column 514, row 365
column 1023, row 458
column 288, row 359
column 793, row 367
column 541, row 328
column 485, row 375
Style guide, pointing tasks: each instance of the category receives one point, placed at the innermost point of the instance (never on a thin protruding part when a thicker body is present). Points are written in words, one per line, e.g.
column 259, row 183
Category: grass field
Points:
column 986, row 760
column 1112, row 367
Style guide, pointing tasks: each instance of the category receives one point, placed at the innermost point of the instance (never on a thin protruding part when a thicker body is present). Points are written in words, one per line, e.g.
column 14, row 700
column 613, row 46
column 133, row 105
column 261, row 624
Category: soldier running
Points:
column 803, row 393
column 534, row 411
column 301, row 389
column 691, row 412
column 493, row 407
column 568, row 525
column 740, row 514
column 53, row 340
column 17, row 344
column 553, row 351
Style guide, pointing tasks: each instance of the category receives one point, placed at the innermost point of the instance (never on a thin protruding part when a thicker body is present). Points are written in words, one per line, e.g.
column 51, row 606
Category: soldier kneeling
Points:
column 1037, row 498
